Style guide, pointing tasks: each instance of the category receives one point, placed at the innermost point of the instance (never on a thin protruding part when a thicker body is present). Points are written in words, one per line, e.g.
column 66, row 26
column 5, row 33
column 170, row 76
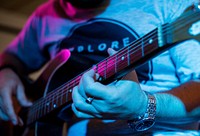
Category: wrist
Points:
column 142, row 106
column 146, row 120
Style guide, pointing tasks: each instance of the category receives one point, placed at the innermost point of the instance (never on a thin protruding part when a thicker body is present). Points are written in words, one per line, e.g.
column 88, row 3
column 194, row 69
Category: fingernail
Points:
column 29, row 103
column 20, row 122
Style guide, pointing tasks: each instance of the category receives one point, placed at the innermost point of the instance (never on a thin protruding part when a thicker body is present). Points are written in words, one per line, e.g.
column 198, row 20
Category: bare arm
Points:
column 183, row 101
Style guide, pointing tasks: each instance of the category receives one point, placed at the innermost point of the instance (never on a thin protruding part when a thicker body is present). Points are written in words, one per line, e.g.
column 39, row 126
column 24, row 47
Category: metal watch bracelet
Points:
column 147, row 120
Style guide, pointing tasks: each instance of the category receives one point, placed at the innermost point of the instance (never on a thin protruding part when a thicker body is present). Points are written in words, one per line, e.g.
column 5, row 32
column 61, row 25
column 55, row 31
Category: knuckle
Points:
column 103, row 110
column 7, row 109
column 10, row 113
column 78, row 104
column 84, row 76
column 89, row 87
column 113, row 98
column 78, row 114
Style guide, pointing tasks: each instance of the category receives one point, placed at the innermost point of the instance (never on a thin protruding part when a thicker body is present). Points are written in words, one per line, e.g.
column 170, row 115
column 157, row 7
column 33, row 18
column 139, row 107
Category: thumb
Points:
column 21, row 97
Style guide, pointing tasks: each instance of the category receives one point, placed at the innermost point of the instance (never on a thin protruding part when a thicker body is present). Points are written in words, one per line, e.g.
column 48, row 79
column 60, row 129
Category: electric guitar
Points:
column 55, row 97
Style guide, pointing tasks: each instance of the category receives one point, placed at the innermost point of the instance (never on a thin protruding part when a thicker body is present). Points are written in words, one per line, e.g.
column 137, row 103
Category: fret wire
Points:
column 44, row 109
column 118, row 57
column 41, row 109
column 56, row 101
column 105, row 70
column 128, row 55
column 110, row 67
column 38, row 114
column 52, row 103
column 115, row 64
column 35, row 115
column 31, row 117
column 96, row 68
column 122, row 58
column 117, row 61
column 142, row 47
column 66, row 96
column 61, row 99
column 101, row 64
column 48, row 103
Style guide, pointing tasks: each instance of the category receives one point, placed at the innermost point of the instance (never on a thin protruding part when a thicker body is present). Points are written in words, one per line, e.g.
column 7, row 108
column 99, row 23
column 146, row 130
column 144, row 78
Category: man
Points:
column 90, row 28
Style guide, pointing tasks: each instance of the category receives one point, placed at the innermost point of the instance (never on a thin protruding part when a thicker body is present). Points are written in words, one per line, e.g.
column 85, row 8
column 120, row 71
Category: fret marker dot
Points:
column 150, row 41
column 47, row 104
column 70, row 90
column 122, row 58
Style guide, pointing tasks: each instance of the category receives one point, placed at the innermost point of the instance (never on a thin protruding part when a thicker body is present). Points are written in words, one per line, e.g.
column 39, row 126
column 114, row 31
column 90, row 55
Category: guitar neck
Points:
column 125, row 60
column 117, row 65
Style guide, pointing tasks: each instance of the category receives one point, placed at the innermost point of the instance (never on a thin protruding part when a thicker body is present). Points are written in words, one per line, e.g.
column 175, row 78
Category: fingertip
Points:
column 20, row 122
column 73, row 108
column 73, row 92
column 29, row 103
column 14, row 122
column 25, row 103
column 111, row 51
column 90, row 73
column 8, row 109
column 23, row 100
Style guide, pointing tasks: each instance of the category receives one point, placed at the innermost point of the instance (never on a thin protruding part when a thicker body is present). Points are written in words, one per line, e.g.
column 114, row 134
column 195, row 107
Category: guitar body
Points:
column 56, row 73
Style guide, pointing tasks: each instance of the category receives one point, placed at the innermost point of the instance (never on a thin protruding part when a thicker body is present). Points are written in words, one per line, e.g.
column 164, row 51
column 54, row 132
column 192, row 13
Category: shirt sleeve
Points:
column 186, row 60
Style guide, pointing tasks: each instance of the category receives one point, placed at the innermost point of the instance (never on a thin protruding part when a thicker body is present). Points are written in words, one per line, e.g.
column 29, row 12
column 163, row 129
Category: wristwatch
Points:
column 147, row 120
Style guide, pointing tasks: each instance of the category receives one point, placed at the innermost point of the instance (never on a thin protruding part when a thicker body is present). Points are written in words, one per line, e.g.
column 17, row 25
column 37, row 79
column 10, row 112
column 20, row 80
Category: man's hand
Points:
column 123, row 99
column 11, row 85
column 120, row 100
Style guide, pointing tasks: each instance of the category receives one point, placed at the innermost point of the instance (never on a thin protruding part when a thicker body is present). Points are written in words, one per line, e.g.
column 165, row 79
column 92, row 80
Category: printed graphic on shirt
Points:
column 92, row 39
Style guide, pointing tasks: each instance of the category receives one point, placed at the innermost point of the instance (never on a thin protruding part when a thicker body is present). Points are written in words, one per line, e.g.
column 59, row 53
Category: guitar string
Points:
column 100, row 71
column 119, row 57
column 58, row 94
column 56, row 90
column 156, row 31
column 70, row 84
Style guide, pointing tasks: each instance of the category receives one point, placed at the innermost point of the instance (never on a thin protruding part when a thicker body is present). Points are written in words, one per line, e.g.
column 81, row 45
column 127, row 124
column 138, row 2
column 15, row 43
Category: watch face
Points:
column 144, row 125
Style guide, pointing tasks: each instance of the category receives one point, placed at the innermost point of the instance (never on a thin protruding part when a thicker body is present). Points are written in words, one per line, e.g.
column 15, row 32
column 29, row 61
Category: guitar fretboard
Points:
column 106, row 69
column 122, row 62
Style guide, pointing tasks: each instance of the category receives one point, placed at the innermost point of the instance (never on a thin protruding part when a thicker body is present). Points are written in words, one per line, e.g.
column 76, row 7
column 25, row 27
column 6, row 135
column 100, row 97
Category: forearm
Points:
column 183, row 101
